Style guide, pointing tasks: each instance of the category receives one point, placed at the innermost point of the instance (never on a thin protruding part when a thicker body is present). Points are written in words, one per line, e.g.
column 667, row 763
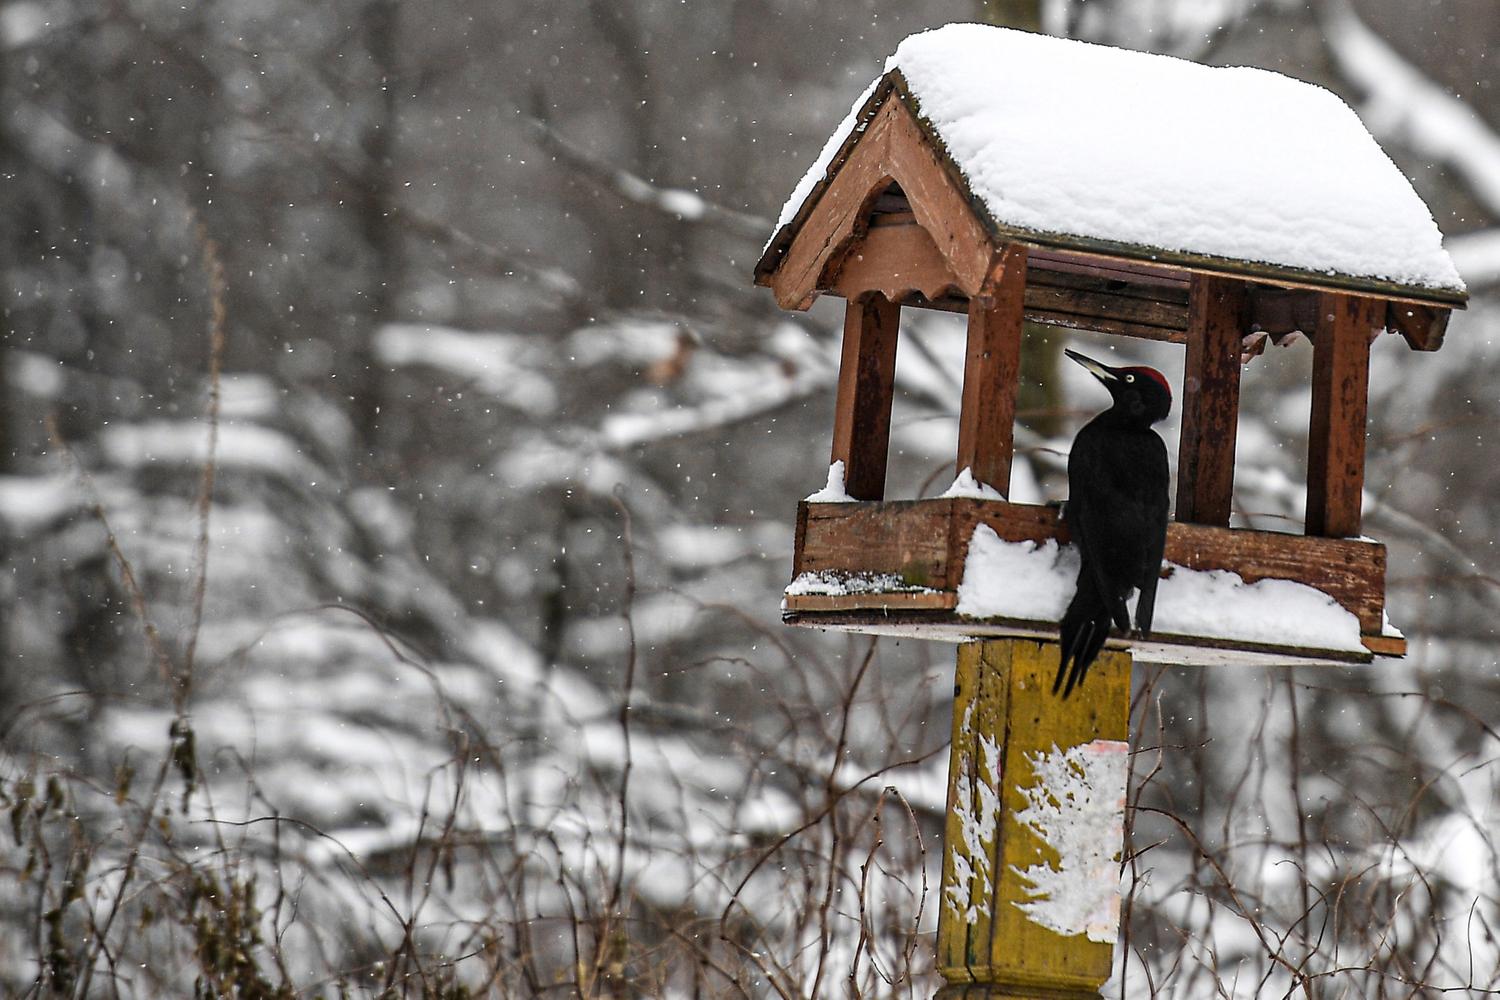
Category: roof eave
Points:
column 1275, row 274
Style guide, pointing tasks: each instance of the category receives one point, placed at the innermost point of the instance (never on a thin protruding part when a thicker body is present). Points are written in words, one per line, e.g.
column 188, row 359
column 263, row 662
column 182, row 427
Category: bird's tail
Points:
column 1085, row 626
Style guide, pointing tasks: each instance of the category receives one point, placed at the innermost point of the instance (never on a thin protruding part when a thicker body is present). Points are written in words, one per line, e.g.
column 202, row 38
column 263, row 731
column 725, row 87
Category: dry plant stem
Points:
column 830, row 793
column 617, row 888
column 217, row 342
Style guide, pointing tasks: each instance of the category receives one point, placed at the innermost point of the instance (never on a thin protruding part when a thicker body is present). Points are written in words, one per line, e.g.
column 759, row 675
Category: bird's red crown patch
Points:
column 1152, row 373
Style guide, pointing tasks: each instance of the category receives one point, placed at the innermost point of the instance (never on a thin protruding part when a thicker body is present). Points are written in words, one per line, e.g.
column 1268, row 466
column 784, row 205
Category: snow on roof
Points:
column 1075, row 139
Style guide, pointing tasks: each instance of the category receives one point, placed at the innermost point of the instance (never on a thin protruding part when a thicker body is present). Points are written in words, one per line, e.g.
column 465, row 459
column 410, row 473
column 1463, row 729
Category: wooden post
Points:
column 1217, row 324
column 867, row 380
column 1340, row 396
column 1029, row 905
column 992, row 365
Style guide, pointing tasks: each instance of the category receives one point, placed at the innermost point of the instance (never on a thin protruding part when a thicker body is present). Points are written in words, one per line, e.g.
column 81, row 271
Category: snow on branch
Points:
column 687, row 205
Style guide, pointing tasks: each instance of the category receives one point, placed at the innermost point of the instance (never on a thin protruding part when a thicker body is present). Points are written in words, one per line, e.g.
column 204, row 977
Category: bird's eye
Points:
column 1130, row 378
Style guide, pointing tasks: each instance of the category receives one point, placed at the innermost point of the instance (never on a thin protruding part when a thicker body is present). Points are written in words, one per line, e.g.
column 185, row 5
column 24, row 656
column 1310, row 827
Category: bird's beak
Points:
column 1103, row 373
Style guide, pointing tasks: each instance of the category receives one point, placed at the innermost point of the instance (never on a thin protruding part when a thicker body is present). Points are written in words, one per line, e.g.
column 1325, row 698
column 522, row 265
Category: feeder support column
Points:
column 992, row 366
column 1217, row 324
column 1030, row 902
column 867, row 381
column 1340, row 397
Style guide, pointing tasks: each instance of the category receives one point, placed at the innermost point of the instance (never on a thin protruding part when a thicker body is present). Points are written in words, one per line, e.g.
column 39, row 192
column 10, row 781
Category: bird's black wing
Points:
column 1156, row 513
column 1090, row 528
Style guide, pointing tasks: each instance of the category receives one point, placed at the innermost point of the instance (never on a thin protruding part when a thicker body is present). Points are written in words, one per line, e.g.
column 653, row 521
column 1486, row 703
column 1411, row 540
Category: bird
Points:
column 1118, row 483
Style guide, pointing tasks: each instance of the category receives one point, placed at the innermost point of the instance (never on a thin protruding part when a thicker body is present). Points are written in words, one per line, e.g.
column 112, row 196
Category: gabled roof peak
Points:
column 1095, row 147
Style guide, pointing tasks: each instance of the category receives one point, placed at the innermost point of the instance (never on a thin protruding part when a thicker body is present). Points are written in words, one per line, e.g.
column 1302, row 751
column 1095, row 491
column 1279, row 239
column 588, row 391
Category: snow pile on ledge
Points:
column 834, row 491
column 1025, row 580
column 965, row 485
column 840, row 584
column 1252, row 166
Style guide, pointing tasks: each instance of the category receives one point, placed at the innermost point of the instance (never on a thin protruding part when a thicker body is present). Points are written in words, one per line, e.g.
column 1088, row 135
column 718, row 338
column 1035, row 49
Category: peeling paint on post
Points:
column 1030, row 894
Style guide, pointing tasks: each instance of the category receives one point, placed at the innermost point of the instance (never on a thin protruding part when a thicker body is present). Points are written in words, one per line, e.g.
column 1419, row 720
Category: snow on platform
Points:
column 1024, row 580
column 1073, row 139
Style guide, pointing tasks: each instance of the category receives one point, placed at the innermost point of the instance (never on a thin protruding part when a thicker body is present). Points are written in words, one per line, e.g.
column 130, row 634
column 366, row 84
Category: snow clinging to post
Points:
column 977, row 807
column 833, row 491
column 1077, row 809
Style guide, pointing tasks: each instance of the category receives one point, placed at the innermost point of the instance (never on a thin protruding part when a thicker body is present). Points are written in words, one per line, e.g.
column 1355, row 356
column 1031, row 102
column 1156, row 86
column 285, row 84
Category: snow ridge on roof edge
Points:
column 815, row 181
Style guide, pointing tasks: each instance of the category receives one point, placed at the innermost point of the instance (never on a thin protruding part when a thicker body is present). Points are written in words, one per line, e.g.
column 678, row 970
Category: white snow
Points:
column 1056, row 136
column 839, row 584
column 497, row 363
column 1024, row 580
column 965, row 485
column 1077, row 808
column 833, row 491
column 978, row 820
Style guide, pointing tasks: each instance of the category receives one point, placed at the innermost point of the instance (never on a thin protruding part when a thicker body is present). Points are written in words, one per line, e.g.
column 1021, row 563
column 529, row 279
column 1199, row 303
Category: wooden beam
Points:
column 925, row 543
column 1210, row 399
column 1422, row 326
column 1340, row 397
column 867, row 380
column 992, row 366
column 1008, row 731
column 897, row 261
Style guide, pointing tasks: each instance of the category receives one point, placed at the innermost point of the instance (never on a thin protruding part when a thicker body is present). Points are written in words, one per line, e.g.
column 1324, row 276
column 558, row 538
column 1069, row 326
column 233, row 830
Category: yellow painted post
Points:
column 1029, row 906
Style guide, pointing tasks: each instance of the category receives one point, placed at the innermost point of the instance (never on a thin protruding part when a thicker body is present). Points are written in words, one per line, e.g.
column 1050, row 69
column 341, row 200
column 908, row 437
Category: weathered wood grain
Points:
column 1340, row 397
column 898, row 261
column 867, row 380
column 1217, row 324
column 992, row 368
column 926, row 543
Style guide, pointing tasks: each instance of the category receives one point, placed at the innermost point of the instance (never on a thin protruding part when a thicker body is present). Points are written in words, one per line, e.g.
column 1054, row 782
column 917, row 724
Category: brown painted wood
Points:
column 940, row 200
column 898, row 261
column 925, row 543
column 1340, row 397
column 1217, row 323
column 894, row 601
column 992, row 367
column 838, row 216
column 1423, row 327
column 943, row 625
column 961, row 216
column 867, row 381
column 906, row 538
column 891, row 149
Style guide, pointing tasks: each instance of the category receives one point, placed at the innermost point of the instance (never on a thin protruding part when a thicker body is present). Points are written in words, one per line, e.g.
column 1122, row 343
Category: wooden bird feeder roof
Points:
column 1075, row 147
column 1017, row 177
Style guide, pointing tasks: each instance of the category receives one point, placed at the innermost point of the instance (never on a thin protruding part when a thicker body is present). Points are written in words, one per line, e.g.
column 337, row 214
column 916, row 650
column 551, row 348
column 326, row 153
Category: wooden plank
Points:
column 1160, row 278
column 904, row 537
column 1340, row 396
column 925, row 542
column 939, row 199
column 946, row 626
column 1210, row 400
column 867, row 380
column 992, row 366
column 1004, row 719
column 897, row 261
column 894, row 601
column 1384, row 645
column 1422, row 326
column 838, row 216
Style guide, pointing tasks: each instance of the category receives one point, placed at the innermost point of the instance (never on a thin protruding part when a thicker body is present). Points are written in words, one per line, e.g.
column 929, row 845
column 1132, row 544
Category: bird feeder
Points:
column 1012, row 177
column 976, row 177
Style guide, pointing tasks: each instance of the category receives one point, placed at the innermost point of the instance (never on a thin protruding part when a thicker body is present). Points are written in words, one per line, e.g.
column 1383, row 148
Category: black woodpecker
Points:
column 1118, row 481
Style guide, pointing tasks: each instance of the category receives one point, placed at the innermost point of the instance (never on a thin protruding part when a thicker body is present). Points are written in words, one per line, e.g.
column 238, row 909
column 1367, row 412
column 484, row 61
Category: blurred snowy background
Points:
column 458, row 670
